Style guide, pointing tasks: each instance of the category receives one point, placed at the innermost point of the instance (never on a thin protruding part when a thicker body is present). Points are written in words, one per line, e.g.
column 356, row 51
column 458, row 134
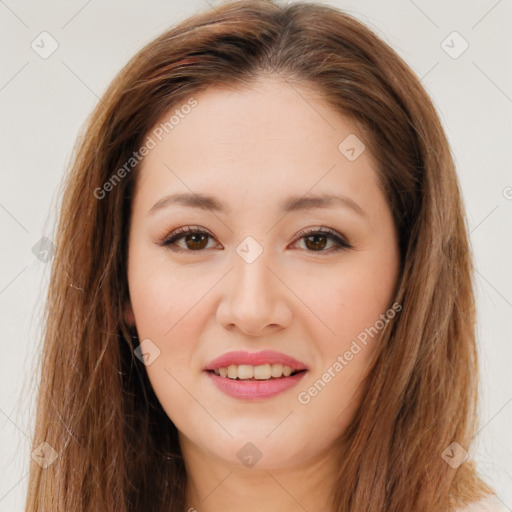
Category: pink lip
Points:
column 255, row 359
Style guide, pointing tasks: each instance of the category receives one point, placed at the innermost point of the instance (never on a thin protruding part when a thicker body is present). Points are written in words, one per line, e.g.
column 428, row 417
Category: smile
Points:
column 250, row 376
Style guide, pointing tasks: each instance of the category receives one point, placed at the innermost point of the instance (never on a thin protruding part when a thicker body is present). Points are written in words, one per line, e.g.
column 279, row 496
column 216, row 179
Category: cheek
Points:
column 348, row 298
column 163, row 295
column 173, row 385
column 350, row 302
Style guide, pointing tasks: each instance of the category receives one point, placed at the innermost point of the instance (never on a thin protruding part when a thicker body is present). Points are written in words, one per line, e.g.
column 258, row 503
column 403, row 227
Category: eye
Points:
column 196, row 239
column 316, row 239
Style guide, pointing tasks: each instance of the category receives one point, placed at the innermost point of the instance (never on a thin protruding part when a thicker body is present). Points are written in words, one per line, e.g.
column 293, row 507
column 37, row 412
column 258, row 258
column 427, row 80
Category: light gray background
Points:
column 44, row 102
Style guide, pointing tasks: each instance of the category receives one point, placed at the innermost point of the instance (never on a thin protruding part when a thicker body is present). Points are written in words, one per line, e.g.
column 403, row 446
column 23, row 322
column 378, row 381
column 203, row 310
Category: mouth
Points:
column 259, row 375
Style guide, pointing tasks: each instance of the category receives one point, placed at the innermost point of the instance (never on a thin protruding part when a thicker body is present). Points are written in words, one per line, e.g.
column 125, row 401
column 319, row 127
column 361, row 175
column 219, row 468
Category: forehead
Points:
column 272, row 112
column 274, row 135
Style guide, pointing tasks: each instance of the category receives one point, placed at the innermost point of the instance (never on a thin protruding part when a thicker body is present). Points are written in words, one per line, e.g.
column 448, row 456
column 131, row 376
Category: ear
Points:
column 129, row 317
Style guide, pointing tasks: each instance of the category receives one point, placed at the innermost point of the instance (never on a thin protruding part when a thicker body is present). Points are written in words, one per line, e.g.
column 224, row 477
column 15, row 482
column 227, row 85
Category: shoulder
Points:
column 489, row 504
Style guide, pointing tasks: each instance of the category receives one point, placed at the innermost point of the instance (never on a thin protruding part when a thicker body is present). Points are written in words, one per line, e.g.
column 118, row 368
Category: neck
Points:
column 214, row 484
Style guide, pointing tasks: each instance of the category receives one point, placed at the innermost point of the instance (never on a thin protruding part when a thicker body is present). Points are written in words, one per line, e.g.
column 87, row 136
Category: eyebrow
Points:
column 291, row 204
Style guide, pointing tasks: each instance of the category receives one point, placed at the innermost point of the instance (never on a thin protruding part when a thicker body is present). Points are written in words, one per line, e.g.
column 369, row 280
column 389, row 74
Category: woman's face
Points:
column 258, row 276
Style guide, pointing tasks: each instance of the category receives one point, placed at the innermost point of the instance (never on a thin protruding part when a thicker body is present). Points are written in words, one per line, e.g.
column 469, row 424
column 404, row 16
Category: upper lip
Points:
column 255, row 359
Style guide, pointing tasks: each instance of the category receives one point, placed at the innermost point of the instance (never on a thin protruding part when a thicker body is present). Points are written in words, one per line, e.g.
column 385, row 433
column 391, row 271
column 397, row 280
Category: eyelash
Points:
column 180, row 233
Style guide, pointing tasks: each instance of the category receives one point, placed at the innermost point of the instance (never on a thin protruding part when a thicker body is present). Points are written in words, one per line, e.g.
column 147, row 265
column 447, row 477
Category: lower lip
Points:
column 255, row 389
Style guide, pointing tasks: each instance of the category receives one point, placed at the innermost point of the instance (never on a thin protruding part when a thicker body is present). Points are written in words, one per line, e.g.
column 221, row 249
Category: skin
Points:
column 252, row 148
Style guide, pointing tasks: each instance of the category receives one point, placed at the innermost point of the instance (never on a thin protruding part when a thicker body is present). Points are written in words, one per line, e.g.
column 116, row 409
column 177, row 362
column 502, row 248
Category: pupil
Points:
column 194, row 238
column 316, row 244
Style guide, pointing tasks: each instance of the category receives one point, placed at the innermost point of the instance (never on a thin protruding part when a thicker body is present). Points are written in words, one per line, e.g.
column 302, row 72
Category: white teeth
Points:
column 260, row 372
column 277, row 370
column 246, row 371
column 232, row 371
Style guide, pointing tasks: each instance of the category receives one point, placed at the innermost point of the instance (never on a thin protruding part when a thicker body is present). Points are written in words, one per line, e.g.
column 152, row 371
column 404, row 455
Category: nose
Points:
column 254, row 300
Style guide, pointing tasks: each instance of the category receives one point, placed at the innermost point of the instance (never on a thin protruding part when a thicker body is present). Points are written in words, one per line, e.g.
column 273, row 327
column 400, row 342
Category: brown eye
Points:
column 196, row 241
column 316, row 240
column 193, row 239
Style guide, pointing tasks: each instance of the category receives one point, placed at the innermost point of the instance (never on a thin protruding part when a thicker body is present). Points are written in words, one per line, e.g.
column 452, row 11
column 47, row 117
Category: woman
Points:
column 262, row 290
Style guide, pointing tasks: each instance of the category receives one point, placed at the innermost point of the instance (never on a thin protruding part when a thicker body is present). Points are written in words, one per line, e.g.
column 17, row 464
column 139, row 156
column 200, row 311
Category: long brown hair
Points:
column 117, row 449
